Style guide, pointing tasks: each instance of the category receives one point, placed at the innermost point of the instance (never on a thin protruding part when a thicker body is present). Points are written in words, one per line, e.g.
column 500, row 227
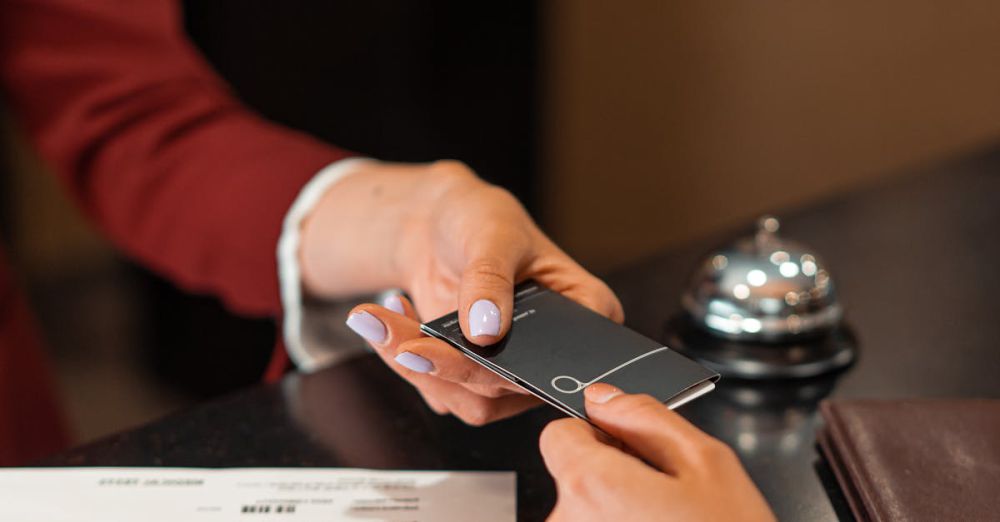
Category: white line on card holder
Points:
column 582, row 385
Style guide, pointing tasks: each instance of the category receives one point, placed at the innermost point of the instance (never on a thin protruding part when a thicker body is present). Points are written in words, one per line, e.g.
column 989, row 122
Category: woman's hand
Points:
column 451, row 241
column 657, row 467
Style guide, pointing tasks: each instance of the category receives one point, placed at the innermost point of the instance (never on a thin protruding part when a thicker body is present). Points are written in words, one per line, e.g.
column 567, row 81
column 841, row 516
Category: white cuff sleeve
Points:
column 308, row 356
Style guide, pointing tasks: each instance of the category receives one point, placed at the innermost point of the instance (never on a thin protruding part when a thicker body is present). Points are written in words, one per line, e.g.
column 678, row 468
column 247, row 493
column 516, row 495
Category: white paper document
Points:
column 254, row 494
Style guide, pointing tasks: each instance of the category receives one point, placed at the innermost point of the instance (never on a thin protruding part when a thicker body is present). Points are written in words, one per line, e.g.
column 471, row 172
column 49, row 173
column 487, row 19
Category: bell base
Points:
column 796, row 359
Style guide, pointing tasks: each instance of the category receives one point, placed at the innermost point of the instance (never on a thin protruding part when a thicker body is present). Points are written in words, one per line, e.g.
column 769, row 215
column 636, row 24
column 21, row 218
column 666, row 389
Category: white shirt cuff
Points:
column 307, row 354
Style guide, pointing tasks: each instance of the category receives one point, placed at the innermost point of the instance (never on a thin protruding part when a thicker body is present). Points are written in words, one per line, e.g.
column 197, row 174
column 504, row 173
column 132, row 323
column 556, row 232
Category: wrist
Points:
column 346, row 236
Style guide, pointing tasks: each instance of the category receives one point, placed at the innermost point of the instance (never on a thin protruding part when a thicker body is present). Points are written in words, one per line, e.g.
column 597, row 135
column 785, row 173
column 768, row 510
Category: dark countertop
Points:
column 916, row 269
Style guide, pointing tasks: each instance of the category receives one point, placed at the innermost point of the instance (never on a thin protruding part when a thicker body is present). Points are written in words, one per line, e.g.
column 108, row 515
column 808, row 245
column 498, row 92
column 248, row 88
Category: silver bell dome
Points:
column 763, row 288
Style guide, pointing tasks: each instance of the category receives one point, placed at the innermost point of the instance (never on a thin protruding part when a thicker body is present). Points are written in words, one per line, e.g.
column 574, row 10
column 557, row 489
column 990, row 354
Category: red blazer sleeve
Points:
column 152, row 143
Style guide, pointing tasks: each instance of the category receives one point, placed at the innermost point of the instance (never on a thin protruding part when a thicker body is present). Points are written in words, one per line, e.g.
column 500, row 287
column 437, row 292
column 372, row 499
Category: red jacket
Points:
column 158, row 153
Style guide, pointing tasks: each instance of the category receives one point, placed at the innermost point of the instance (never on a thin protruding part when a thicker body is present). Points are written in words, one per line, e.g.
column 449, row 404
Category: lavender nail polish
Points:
column 367, row 325
column 415, row 362
column 394, row 303
column 484, row 318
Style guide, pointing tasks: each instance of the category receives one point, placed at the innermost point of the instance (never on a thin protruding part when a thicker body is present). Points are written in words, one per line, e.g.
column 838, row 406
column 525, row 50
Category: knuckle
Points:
column 487, row 391
column 495, row 392
column 476, row 415
column 618, row 312
column 489, row 271
column 506, row 204
column 500, row 194
column 474, row 419
column 462, row 373
column 435, row 405
column 578, row 480
column 450, row 165
column 432, row 402
column 603, row 298
column 714, row 452
column 452, row 170
column 553, row 432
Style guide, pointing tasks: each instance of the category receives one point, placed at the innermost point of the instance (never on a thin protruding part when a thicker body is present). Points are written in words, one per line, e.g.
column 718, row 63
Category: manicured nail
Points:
column 415, row 362
column 367, row 325
column 484, row 318
column 601, row 392
column 394, row 303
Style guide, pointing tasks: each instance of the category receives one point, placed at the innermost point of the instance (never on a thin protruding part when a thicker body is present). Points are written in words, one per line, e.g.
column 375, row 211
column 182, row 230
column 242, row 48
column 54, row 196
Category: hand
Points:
column 448, row 381
column 657, row 467
column 452, row 242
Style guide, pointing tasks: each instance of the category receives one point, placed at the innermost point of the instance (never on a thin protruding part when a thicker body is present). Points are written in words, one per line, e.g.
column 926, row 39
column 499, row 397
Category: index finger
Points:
column 574, row 453
column 402, row 342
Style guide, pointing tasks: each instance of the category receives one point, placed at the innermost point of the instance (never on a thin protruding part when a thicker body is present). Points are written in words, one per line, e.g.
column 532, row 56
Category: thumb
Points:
column 647, row 426
column 486, row 292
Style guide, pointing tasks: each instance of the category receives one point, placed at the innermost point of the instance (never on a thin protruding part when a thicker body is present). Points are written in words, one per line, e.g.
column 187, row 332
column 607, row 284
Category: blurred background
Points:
column 625, row 128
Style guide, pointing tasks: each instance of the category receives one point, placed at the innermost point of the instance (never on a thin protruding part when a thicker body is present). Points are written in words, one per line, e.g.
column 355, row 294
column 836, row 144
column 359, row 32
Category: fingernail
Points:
column 367, row 325
column 394, row 303
column 601, row 392
column 484, row 318
column 415, row 362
